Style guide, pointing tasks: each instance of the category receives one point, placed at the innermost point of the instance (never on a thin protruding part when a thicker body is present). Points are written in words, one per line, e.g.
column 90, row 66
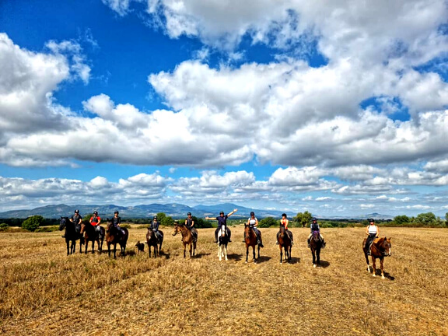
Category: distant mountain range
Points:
column 174, row 210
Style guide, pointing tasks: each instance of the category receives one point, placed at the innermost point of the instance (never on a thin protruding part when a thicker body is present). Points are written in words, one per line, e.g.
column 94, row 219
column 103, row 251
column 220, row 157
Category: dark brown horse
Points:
column 316, row 246
column 114, row 238
column 380, row 248
column 284, row 242
column 250, row 239
column 152, row 240
column 90, row 234
column 187, row 239
column 71, row 235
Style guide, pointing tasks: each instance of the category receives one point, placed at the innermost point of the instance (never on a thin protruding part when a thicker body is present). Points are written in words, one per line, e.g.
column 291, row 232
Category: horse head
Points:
column 282, row 231
column 176, row 229
column 386, row 246
column 316, row 236
column 63, row 223
column 223, row 230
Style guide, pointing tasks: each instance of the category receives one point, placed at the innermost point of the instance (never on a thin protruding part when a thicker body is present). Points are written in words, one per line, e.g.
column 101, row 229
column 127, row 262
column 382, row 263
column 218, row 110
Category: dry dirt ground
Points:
column 44, row 292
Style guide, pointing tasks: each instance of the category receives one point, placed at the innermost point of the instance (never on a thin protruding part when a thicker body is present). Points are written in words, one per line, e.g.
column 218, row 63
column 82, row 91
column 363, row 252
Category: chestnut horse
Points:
column 250, row 239
column 92, row 235
column 113, row 238
column 380, row 248
column 152, row 240
column 71, row 234
column 284, row 241
column 315, row 246
column 187, row 238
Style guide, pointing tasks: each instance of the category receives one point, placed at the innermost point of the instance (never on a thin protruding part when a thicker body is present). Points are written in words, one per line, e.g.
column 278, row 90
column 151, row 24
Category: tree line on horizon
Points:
column 302, row 219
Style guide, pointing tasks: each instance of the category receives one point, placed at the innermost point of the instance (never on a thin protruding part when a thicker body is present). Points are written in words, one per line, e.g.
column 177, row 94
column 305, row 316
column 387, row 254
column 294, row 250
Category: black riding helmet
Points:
column 221, row 213
column 155, row 217
column 189, row 214
column 371, row 220
column 252, row 213
column 116, row 212
column 76, row 211
column 284, row 215
column 95, row 213
column 314, row 219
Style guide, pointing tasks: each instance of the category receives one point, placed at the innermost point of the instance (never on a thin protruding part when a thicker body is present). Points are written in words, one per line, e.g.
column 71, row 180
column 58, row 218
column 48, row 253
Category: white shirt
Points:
column 252, row 221
column 373, row 229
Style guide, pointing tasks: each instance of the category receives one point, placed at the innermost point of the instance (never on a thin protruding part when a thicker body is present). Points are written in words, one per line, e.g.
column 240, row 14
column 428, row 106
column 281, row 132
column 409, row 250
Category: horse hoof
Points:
column 374, row 275
column 383, row 277
column 314, row 266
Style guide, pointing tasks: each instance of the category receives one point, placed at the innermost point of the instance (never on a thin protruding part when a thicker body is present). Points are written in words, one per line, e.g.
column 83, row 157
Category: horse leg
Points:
column 225, row 251
column 108, row 248
column 220, row 252
column 318, row 256
column 191, row 250
column 115, row 251
column 314, row 257
column 289, row 254
column 68, row 246
column 247, row 252
column 253, row 252
column 374, row 266
column 367, row 260
column 281, row 254
column 381, row 265
column 185, row 250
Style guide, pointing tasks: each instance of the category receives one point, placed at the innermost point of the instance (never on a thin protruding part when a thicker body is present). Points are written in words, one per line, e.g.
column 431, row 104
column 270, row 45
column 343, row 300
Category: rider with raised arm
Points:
column 155, row 228
column 284, row 222
column 222, row 220
column 189, row 224
column 253, row 222
column 315, row 227
column 372, row 232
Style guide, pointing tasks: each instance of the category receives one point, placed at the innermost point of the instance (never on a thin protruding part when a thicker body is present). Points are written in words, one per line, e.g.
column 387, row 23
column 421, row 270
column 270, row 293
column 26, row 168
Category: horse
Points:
column 112, row 238
column 152, row 240
column 223, row 240
column 71, row 234
column 284, row 241
column 187, row 238
column 380, row 248
column 90, row 234
column 250, row 239
column 315, row 246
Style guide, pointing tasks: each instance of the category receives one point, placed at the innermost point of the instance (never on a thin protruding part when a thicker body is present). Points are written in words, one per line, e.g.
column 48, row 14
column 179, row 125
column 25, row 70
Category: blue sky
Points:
column 289, row 106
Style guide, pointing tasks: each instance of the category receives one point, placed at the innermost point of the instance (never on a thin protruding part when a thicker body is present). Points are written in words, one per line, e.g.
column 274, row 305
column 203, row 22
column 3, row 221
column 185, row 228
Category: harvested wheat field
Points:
column 44, row 292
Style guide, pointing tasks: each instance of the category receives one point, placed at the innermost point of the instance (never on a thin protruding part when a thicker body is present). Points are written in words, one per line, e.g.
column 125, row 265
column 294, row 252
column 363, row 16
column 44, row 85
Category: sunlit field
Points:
column 43, row 291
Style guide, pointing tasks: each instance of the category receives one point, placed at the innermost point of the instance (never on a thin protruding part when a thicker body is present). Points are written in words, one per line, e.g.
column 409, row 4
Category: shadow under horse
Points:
column 151, row 240
column 114, row 238
column 250, row 238
column 316, row 246
column 187, row 238
column 223, row 240
column 72, row 234
column 284, row 242
column 380, row 248
column 91, row 234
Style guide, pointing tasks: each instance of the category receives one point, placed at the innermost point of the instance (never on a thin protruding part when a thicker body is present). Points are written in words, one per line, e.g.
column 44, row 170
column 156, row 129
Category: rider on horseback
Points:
column 155, row 228
column 372, row 232
column 222, row 220
column 77, row 220
column 284, row 222
column 315, row 228
column 95, row 221
column 116, row 220
column 189, row 224
column 253, row 222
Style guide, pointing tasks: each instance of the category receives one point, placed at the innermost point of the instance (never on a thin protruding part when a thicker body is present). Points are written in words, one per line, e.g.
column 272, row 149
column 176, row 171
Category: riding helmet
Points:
column 284, row 215
column 155, row 217
column 116, row 212
column 371, row 220
column 76, row 211
column 252, row 213
column 95, row 213
column 314, row 219
column 221, row 213
column 188, row 214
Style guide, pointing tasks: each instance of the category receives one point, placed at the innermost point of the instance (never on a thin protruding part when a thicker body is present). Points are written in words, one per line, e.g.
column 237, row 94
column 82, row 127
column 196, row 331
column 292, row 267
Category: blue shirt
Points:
column 222, row 220
column 155, row 225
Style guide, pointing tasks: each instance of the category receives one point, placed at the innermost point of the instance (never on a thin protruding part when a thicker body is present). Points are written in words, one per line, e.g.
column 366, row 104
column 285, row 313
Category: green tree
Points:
column 4, row 227
column 166, row 221
column 32, row 223
column 427, row 218
column 86, row 218
column 303, row 219
column 402, row 220
column 199, row 222
column 446, row 217
column 267, row 222
column 160, row 217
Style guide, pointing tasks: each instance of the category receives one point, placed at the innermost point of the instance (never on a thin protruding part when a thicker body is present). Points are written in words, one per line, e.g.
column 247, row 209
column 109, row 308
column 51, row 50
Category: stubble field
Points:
column 44, row 292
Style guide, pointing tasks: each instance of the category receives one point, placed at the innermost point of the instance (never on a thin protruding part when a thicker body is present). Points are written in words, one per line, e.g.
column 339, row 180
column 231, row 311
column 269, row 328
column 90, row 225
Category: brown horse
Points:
column 284, row 242
column 380, row 248
column 113, row 238
column 315, row 246
column 250, row 239
column 90, row 234
column 152, row 240
column 187, row 238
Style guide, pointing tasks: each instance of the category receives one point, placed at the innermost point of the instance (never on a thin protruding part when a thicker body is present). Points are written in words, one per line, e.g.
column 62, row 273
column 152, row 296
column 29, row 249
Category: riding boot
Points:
column 216, row 237
column 259, row 242
column 323, row 243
